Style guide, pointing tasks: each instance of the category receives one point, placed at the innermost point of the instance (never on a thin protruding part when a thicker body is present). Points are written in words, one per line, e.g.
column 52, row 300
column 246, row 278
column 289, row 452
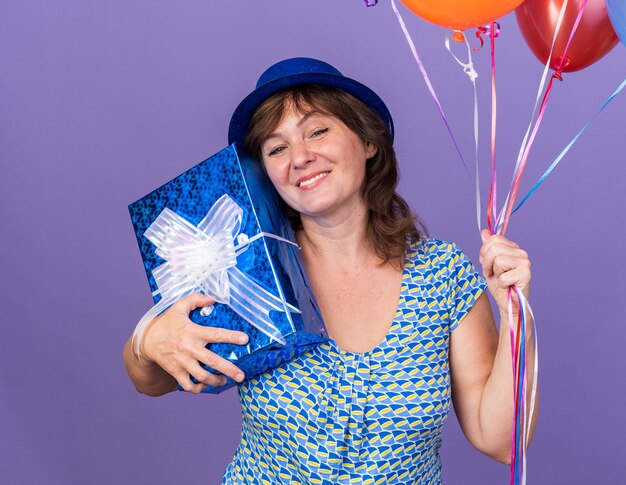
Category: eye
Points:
column 277, row 150
column 318, row 133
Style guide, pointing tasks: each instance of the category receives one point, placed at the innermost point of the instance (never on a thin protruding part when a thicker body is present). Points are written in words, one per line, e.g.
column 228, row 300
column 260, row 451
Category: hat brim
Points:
column 240, row 120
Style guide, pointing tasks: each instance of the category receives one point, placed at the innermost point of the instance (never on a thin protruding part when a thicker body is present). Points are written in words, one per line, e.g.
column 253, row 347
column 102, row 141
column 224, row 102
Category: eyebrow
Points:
column 306, row 117
column 298, row 124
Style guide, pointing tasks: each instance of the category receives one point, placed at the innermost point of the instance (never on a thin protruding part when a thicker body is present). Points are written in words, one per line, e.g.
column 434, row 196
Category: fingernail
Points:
column 206, row 311
column 239, row 377
column 243, row 339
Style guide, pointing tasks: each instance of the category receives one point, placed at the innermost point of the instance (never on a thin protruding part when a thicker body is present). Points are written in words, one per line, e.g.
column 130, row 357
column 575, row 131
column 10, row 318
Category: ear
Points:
column 370, row 150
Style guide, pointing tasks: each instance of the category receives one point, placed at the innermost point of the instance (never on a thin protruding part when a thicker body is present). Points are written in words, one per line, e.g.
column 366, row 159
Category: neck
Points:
column 340, row 239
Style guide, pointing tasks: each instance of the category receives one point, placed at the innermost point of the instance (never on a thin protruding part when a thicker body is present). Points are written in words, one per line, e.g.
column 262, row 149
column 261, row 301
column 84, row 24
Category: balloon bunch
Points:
column 566, row 36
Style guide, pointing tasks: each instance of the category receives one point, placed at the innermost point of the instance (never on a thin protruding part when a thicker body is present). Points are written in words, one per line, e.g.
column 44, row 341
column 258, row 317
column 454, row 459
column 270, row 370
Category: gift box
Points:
column 220, row 228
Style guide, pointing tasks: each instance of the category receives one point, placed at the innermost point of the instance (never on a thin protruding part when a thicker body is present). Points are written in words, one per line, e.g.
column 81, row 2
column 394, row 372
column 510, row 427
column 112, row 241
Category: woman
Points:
column 408, row 320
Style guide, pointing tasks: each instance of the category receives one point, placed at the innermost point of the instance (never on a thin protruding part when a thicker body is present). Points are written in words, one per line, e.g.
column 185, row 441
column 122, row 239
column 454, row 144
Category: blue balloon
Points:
column 617, row 14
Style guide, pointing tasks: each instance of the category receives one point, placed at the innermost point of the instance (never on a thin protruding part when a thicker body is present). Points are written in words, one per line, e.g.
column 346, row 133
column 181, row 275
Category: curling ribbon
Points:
column 480, row 30
column 503, row 219
column 518, row 353
column 431, row 89
column 540, row 89
column 203, row 259
column 494, row 31
column 490, row 30
column 569, row 145
column 533, row 393
column 468, row 68
column 542, row 83
column 521, row 423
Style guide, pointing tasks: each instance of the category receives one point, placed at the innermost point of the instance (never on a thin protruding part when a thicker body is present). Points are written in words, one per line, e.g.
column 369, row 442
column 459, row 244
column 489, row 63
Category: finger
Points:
column 497, row 241
column 204, row 376
column 191, row 302
column 487, row 270
column 487, row 260
column 184, row 380
column 222, row 335
column 220, row 364
column 518, row 277
column 510, row 261
column 489, row 252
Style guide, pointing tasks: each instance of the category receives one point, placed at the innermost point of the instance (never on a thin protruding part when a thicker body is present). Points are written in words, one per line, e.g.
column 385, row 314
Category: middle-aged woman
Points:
column 410, row 325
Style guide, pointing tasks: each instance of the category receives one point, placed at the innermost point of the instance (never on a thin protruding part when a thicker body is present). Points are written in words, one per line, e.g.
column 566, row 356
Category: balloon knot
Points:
column 558, row 74
column 370, row 3
column 458, row 36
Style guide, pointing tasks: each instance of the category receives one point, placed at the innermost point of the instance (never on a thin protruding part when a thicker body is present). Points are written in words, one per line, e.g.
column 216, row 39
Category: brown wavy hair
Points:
column 391, row 223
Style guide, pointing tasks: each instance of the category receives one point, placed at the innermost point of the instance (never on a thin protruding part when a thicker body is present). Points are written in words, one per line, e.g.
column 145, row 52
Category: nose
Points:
column 301, row 154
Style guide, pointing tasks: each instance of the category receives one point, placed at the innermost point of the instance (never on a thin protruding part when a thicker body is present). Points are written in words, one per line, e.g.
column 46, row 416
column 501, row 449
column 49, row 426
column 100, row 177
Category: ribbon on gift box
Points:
column 203, row 259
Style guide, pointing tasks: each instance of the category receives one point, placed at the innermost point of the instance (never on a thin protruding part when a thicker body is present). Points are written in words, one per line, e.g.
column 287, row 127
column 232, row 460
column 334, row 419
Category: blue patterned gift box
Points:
column 274, row 265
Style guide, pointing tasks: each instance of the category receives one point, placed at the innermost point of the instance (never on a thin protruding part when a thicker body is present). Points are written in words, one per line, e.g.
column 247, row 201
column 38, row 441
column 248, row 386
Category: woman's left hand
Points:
column 504, row 265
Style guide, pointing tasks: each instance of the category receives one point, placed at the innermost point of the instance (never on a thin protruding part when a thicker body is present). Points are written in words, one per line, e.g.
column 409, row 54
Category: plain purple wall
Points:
column 101, row 102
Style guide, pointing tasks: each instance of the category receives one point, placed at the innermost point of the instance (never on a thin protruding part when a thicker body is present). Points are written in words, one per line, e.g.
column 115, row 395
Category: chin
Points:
column 312, row 212
column 314, row 208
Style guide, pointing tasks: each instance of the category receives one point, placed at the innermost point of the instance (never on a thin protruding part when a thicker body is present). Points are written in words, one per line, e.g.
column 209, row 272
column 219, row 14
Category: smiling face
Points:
column 316, row 163
column 331, row 157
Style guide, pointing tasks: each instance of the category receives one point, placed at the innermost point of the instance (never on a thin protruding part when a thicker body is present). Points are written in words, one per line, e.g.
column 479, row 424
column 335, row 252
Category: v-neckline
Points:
column 390, row 330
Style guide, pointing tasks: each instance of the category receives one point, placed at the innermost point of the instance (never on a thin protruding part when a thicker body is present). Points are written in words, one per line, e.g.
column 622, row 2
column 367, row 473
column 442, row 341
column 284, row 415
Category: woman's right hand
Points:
column 178, row 345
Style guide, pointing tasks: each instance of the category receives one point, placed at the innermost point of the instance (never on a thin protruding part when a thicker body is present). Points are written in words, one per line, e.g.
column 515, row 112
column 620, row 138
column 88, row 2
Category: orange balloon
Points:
column 461, row 14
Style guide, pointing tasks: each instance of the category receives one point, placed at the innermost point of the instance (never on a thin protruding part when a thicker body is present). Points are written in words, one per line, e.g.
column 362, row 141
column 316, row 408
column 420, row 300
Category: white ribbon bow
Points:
column 204, row 259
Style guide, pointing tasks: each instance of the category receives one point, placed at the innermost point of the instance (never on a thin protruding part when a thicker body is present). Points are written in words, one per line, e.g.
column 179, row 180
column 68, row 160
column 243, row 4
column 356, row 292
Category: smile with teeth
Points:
column 313, row 179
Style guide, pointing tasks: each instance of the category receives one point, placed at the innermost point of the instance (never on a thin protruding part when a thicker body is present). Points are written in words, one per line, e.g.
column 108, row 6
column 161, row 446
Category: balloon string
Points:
column 468, row 68
column 522, row 420
column 569, row 145
column 514, row 359
column 522, row 385
column 533, row 394
column 491, row 206
column 520, row 426
column 538, row 97
column 564, row 58
column 503, row 222
column 431, row 89
column 518, row 369
column 507, row 209
column 520, row 397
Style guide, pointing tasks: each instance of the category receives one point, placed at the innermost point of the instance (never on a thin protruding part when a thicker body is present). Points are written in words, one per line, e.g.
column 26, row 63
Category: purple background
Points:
column 101, row 102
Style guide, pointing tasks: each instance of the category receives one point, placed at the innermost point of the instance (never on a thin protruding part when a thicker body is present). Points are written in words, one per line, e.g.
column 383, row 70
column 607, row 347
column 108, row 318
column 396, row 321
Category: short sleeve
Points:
column 465, row 285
